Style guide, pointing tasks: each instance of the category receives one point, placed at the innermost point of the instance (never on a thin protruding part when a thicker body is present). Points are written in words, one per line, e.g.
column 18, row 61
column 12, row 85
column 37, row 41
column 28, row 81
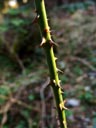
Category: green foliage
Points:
column 71, row 8
column 15, row 18
column 5, row 126
column 64, row 79
column 66, row 94
column 3, row 28
column 6, row 63
column 31, row 97
column 25, row 113
column 4, row 91
column 13, row 12
column 69, row 113
column 77, row 70
column 16, row 24
column 21, row 124
column 87, row 96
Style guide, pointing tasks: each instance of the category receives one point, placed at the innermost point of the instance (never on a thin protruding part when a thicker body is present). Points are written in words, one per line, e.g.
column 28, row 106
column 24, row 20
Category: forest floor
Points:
column 25, row 99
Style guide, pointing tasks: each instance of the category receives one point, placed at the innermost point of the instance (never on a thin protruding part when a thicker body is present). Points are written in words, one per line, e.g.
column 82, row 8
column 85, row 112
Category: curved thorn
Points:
column 60, row 70
column 52, row 43
column 43, row 42
column 55, row 58
column 36, row 19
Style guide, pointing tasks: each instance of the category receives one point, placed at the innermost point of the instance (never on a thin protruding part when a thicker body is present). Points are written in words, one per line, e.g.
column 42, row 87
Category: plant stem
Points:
column 48, row 44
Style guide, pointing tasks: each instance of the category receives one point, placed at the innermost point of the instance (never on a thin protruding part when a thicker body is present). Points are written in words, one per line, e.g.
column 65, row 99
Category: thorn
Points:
column 54, row 82
column 49, row 27
column 56, row 58
column 52, row 43
column 61, row 105
column 64, row 122
column 60, row 70
column 36, row 19
column 61, row 91
column 65, row 108
column 59, row 81
column 59, row 85
column 43, row 42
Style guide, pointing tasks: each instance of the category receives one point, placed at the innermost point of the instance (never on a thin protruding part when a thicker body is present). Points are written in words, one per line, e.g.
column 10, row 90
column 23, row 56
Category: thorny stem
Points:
column 48, row 44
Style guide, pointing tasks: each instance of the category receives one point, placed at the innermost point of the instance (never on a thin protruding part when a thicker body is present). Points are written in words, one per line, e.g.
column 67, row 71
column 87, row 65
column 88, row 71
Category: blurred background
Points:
column 25, row 99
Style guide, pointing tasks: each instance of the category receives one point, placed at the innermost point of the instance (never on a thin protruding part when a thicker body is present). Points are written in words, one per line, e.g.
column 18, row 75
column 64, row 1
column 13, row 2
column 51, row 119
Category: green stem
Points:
column 48, row 44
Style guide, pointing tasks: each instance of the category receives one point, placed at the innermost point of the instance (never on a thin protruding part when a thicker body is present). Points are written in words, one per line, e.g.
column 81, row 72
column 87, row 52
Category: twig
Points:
column 43, row 101
column 13, row 101
column 83, row 61
column 4, row 109
column 53, row 115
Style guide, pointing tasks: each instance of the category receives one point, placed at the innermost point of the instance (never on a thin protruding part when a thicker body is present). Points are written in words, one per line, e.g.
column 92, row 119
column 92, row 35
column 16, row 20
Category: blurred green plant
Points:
column 4, row 92
column 17, row 37
column 31, row 97
column 71, row 8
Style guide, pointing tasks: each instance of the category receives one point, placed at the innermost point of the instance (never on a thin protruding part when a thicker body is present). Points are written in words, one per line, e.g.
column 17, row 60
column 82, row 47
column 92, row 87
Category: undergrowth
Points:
column 23, row 94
